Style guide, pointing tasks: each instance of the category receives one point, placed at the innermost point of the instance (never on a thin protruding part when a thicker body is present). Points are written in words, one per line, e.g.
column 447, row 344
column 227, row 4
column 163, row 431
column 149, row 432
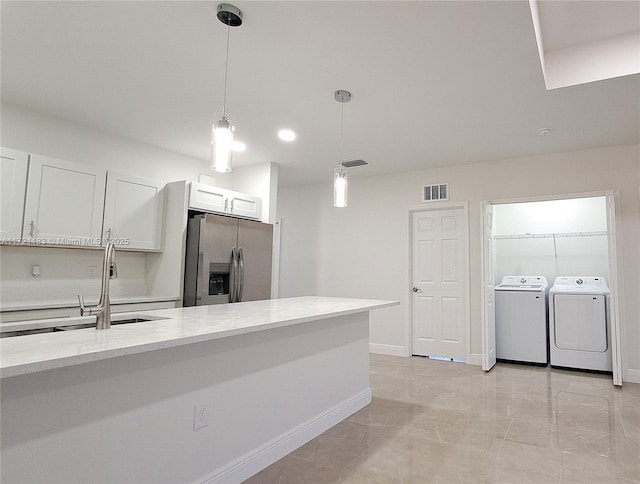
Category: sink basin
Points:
column 24, row 332
column 68, row 327
column 93, row 325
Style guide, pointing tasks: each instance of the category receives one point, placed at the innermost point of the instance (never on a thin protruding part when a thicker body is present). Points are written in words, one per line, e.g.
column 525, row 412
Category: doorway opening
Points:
column 571, row 236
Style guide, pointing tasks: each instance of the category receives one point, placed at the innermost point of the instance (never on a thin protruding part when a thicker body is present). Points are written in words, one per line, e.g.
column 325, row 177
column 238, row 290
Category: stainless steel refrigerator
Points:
column 227, row 260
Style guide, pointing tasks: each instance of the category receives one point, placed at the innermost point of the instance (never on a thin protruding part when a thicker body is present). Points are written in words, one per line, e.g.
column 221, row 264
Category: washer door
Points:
column 580, row 322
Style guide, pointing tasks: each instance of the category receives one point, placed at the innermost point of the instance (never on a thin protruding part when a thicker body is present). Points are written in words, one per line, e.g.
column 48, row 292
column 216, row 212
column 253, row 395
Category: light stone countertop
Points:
column 37, row 352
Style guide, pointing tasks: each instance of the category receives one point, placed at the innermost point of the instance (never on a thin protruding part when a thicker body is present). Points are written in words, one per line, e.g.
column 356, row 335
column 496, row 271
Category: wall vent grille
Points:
column 439, row 191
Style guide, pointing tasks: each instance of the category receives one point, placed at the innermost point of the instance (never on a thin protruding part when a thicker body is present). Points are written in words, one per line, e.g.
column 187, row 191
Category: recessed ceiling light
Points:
column 286, row 135
column 544, row 131
column 239, row 146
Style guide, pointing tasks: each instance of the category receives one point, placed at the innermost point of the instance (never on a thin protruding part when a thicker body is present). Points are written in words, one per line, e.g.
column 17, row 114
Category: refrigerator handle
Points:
column 240, row 274
column 233, row 277
column 202, row 272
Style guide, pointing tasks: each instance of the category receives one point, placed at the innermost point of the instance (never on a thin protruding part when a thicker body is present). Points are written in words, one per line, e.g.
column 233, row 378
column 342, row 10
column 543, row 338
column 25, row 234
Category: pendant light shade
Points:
column 340, row 173
column 223, row 129
column 222, row 143
column 340, row 186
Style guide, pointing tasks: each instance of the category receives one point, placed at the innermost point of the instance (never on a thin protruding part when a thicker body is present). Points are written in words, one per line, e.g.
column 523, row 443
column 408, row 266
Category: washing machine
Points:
column 521, row 319
column 579, row 333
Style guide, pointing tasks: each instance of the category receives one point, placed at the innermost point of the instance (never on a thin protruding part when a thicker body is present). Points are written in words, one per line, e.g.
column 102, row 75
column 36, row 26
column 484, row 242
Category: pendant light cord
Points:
column 226, row 71
column 341, row 130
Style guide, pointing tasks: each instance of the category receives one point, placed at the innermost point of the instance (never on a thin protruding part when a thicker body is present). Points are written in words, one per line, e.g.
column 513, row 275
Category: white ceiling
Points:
column 433, row 83
column 566, row 23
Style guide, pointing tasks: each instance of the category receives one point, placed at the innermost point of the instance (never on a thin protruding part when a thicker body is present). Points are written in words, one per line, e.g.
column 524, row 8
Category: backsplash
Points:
column 64, row 273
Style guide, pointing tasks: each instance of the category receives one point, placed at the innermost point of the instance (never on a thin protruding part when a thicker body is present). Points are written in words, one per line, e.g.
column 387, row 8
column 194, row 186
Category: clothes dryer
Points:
column 521, row 319
column 579, row 331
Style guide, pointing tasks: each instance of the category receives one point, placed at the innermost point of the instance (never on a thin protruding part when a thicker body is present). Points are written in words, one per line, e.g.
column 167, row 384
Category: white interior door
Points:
column 489, row 326
column 439, row 283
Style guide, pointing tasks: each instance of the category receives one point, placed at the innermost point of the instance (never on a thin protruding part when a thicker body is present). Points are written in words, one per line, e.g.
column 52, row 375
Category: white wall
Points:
column 261, row 181
column 58, row 138
column 553, row 216
column 362, row 250
column 552, row 238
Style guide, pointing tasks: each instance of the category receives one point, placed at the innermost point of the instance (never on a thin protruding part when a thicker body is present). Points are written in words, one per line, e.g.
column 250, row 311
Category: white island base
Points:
column 131, row 418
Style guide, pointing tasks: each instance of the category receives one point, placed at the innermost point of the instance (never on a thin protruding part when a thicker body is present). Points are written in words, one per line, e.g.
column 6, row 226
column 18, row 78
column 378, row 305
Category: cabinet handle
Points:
column 232, row 204
column 32, row 230
column 226, row 203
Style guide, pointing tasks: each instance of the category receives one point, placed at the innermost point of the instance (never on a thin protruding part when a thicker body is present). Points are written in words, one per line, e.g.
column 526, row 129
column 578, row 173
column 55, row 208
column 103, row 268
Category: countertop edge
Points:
column 76, row 359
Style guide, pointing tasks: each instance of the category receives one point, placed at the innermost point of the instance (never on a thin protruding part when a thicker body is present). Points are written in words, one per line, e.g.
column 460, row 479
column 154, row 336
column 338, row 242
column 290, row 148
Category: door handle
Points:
column 233, row 282
column 241, row 273
column 416, row 289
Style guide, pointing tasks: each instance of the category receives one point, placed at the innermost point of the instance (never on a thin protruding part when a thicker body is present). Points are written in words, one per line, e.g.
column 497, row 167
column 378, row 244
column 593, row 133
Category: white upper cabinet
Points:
column 13, row 184
column 220, row 200
column 245, row 206
column 133, row 212
column 64, row 203
column 208, row 198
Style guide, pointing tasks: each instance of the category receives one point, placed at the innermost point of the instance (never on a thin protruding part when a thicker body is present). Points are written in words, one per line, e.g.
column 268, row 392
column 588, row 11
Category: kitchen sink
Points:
column 69, row 327
column 93, row 325
column 24, row 332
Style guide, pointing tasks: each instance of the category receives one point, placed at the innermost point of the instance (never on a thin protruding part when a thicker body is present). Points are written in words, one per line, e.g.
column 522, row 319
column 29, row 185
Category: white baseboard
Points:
column 631, row 376
column 265, row 455
column 391, row 350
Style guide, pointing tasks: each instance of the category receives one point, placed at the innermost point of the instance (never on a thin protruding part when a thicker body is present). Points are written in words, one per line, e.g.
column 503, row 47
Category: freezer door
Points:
column 218, row 237
column 255, row 243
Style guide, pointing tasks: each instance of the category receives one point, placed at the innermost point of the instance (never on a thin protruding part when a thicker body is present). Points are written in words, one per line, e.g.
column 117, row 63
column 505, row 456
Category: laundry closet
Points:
column 551, row 266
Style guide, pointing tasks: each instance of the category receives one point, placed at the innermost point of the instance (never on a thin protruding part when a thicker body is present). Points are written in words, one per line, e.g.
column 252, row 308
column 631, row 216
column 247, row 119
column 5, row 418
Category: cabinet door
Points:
column 245, row 205
column 13, row 184
column 64, row 203
column 208, row 198
column 133, row 212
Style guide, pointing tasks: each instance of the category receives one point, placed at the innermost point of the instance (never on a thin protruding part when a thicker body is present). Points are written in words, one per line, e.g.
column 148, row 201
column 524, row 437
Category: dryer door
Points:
column 580, row 322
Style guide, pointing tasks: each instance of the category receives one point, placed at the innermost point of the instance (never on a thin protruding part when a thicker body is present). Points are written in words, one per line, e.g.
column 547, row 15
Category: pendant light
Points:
column 340, row 172
column 223, row 128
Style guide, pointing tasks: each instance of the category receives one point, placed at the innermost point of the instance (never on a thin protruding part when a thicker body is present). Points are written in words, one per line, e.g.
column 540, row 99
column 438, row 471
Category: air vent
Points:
column 431, row 193
column 352, row 163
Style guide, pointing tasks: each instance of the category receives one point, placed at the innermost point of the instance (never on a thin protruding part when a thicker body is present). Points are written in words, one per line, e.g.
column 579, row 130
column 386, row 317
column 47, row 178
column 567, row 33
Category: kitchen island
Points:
column 255, row 380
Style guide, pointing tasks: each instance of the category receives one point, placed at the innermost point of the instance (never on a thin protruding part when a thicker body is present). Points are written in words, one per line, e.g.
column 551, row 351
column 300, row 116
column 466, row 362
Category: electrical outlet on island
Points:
column 200, row 417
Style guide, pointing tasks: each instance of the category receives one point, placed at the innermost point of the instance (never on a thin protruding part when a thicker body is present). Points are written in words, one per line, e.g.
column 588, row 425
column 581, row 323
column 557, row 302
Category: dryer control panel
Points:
column 576, row 282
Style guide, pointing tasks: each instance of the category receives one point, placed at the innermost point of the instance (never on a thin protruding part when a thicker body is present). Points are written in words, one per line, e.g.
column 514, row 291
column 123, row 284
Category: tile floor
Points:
column 440, row 422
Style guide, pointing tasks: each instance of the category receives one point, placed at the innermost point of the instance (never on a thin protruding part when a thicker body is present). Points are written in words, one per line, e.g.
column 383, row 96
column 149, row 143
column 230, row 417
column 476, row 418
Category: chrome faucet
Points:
column 102, row 311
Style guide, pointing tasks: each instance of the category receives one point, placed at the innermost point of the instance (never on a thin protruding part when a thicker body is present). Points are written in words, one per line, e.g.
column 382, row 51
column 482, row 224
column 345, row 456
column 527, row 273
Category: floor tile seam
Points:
column 366, row 426
column 577, row 430
column 356, row 474
column 554, row 422
column 353, row 462
column 624, row 428
column 505, row 436
column 592, row 433
column 600, row 409
column 475, row 419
